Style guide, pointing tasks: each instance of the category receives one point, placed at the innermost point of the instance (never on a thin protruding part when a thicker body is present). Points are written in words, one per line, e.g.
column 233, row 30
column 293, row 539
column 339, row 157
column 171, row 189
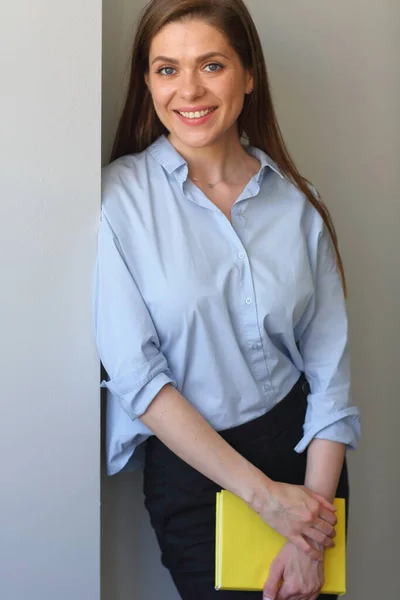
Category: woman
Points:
column 220, row 311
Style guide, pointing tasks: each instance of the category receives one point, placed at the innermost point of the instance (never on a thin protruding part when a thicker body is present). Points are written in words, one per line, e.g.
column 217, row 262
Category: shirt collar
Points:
column 166, row 154
column 169, row 158
column 265, row 160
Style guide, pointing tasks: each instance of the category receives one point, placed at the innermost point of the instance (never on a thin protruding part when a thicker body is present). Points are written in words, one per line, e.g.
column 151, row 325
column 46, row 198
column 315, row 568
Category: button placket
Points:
column 249, row 315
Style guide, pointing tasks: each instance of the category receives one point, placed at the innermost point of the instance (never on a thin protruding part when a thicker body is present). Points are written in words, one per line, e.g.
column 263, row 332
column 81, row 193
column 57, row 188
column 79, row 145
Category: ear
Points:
column 147, row 80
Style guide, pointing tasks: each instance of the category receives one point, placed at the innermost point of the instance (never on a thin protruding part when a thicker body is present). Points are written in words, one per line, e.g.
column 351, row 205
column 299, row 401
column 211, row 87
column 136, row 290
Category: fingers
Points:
column 327, row 509
column 318, row 536
column 287, row 592
column 305, row 513
column 327, row 516
column 271, row 588
column 328, row 505
column 290, row 592
column 305, row 547
column 325, row 528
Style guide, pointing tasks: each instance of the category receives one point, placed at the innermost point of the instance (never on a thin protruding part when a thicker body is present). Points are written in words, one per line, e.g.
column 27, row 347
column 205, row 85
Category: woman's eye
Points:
column 211, row 68
column 214, row 67
column 166, row 71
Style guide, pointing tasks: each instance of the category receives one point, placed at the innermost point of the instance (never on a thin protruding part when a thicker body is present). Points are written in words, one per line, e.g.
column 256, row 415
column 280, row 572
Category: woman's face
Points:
column 197, row 82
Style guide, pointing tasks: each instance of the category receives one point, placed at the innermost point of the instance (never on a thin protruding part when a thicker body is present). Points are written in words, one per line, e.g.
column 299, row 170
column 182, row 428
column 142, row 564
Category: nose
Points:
column 190, row 86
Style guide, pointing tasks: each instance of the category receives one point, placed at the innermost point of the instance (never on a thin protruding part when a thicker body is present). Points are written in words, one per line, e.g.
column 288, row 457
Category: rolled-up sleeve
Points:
column 127, row 340
column 323, row 346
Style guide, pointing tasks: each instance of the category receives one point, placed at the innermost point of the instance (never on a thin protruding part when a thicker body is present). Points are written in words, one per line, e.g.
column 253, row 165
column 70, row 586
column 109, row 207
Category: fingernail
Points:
column 267, row 598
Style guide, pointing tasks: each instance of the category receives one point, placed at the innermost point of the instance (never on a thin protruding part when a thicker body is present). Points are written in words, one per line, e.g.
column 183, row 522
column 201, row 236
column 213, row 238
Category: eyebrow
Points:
column 201, row 58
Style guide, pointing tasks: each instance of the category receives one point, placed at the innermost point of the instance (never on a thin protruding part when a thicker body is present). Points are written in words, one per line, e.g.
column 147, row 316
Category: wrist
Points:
column 324, row 464
column 260, row 493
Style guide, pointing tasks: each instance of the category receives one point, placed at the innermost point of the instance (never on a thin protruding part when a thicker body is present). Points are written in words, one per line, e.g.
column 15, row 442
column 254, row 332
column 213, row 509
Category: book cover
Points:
column 246, row 546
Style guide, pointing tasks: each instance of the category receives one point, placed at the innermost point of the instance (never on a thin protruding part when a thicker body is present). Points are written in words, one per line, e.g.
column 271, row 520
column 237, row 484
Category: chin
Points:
column 197, row 139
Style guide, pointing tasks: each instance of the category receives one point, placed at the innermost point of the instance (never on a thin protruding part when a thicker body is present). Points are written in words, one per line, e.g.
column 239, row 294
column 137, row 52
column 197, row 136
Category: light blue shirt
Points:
column 229, row 313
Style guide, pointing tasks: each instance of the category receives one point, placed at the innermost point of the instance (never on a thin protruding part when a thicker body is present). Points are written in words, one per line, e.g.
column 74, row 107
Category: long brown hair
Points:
column 140, row 126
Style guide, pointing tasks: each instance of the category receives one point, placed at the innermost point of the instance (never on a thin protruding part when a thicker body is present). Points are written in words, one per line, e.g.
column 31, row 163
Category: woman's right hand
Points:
column 298, row 513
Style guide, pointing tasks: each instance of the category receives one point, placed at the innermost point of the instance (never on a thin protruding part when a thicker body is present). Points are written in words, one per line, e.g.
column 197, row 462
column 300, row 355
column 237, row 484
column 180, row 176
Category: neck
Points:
column 225, row 159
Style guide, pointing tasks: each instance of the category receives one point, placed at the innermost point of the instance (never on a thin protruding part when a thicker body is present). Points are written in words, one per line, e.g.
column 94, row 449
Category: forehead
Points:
column 189, row 38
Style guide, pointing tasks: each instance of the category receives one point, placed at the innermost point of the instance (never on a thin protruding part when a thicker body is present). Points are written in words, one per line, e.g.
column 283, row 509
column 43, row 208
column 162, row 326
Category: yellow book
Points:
column 246, row 546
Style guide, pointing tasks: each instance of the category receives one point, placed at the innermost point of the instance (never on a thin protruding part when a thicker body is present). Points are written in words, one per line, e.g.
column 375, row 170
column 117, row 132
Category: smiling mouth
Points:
column 196, row 115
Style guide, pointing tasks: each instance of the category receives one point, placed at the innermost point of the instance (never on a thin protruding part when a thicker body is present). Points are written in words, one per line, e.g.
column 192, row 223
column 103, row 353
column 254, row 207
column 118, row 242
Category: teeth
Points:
column 197, row 114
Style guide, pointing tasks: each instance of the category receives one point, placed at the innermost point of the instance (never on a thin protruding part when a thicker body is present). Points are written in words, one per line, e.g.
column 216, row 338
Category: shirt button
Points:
column 256, row 346
column 266, row 387
column 241, row 255
column 248, row 300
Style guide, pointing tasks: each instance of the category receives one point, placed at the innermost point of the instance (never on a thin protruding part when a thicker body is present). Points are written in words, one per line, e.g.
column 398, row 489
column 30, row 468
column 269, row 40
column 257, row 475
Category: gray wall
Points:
column 335, row 74
column 50, row 64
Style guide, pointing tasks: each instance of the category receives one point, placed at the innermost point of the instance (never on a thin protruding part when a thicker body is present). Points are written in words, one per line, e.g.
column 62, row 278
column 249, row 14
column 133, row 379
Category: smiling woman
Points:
column 189, row 90
column 220, row 312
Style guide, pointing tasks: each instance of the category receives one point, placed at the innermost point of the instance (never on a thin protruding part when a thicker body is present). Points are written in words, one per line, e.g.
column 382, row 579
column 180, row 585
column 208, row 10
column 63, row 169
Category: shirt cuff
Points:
column 343, row 427
column 134, row 393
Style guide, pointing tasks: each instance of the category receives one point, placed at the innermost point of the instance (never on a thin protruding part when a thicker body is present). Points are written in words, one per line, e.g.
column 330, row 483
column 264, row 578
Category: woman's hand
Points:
column 292, row 510
column 296, row 512
column 294, row 576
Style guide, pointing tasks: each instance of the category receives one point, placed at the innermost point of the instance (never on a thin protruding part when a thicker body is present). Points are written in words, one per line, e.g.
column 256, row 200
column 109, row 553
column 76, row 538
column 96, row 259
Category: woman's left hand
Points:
column 294, row 575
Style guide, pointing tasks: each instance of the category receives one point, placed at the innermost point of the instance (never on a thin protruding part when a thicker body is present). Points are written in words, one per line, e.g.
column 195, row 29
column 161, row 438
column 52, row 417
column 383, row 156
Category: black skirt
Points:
column 181, row 501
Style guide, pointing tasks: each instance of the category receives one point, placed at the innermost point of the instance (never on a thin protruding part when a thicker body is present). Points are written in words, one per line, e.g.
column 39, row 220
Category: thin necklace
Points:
column 209, row 185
